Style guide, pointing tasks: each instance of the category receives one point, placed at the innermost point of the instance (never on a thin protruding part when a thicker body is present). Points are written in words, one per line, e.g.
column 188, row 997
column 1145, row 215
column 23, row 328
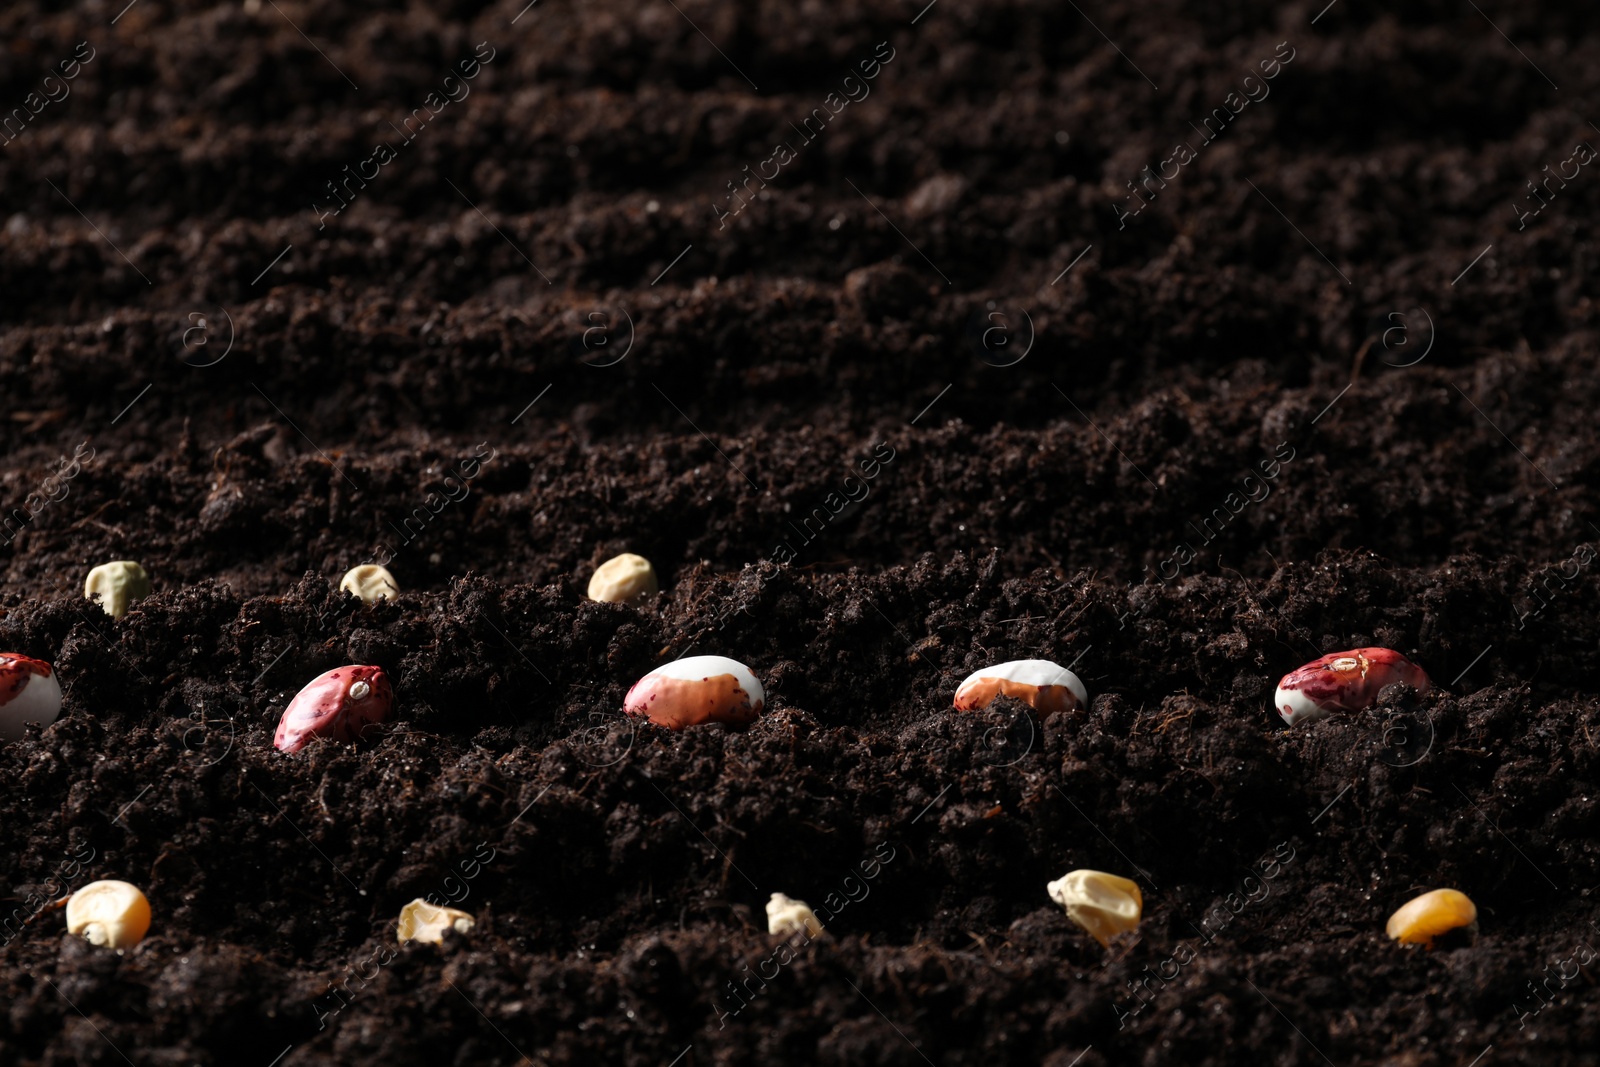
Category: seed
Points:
column 1101, row 903
column 421, row 921
column 370, row 582
column 338, row 705
column 118, row 584
column 29, row 692
column 1424, row 918
column 623, row 578
column 696, row 690
column 1344, row 681
column 786, row 916
column 1044, row 686
column 110, row 914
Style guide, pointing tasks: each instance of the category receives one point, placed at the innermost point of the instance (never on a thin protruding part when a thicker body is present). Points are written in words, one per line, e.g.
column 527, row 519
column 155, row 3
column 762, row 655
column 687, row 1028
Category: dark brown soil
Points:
column 1144, row 462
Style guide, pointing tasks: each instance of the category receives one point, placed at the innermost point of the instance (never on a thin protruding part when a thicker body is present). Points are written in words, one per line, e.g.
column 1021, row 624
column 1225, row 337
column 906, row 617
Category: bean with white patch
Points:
column 29, row 692
column 1044, row 686
column 696, row 690
column 1344, row 682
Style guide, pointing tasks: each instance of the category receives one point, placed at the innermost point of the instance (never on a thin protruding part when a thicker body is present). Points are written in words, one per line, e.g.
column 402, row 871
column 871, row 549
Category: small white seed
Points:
column 118, row 585
column 109, row 913
column 1101, row 903
column 421, row 921
column 623, row 578
column 370, row 582
column 786, row 916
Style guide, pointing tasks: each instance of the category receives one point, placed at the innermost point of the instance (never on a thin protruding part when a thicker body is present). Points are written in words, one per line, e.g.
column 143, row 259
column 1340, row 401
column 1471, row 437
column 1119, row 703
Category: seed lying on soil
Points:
column 1101, row 903
column 337, row 705
column 786, row 916
column 29, row 692
column 623, row 578
column 109, row 913
column 421, row 921
column 1044, row 686
column 370, row 582
column 1424, row 918
column 695, row 690
column 119, row 584
column 1344, row 681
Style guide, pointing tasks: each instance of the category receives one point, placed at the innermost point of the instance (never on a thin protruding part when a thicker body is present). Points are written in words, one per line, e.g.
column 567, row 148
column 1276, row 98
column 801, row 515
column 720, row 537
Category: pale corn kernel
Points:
column 370, row 582
column 1101, row 903
column 421, row 921
column 786, row 916
column 109, row 913
column 623, row 578
column 1424, row 918
column 118, row 585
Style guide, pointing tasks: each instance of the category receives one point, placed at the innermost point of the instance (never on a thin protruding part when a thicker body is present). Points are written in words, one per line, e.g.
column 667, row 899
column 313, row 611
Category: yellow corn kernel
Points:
column 623, row 578
column 110, row 914
column 1421, row 920
column 1101, row 903
column 118, row 585
column 421, row 921
column 786, row 916
column 370, row 582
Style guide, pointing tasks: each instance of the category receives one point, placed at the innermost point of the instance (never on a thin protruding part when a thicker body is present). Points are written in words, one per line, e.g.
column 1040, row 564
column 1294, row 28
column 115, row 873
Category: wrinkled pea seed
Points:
column 118, row 585
column 370, row 582
column 786, row 916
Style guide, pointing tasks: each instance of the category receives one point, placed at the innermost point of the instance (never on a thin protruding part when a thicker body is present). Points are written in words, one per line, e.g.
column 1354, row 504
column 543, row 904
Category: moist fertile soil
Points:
column 494, row 292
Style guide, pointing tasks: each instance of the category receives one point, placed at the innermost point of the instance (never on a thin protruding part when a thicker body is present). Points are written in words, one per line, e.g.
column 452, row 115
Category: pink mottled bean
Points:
column 337, row 705
column 1344, row 681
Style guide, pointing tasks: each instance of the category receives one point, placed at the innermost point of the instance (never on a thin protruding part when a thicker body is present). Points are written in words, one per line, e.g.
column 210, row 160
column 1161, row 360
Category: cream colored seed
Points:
column 623, row 578
column 1101, row 903
column 786, row 916
column 1424, row 918
column 109, row 913
column 421, row 921
column 370, row 582
column 118, row 585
